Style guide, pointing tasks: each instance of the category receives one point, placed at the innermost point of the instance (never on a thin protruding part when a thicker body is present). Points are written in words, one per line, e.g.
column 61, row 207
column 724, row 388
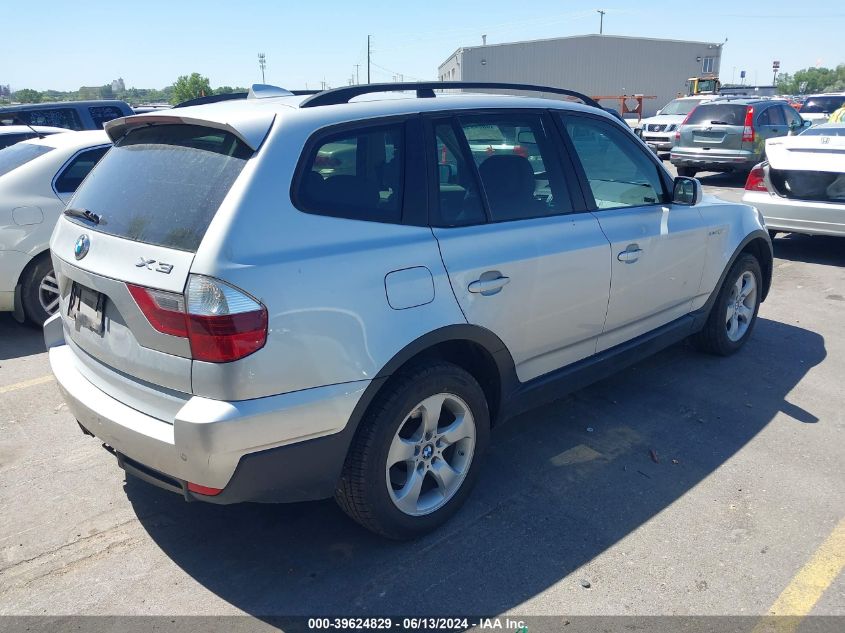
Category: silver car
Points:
column 729, row 134
column 801, row 187
column 286, row 298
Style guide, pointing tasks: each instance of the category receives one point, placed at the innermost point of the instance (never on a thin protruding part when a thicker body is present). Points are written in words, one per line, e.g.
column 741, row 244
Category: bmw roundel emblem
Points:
column 80, row 248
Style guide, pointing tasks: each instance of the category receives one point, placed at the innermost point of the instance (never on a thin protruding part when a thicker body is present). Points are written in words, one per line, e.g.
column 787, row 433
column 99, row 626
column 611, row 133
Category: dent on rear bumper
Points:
column 208, row 438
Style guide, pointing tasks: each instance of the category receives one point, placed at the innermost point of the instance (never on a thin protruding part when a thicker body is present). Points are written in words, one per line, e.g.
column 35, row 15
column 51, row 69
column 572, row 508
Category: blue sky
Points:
column 150, row 43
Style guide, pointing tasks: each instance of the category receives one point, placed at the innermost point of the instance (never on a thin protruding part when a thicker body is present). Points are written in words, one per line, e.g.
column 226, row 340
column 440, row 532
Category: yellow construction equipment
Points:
column 704, row 85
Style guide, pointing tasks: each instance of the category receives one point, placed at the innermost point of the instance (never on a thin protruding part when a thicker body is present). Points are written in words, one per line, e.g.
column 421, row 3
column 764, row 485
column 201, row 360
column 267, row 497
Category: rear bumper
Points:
column 713, row 161
column 12, row 264
column 798, row 216
column 288, row 447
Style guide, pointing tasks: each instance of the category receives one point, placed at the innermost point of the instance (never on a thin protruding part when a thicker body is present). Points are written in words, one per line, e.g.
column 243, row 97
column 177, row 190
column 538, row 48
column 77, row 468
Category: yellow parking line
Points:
column 26, row 383
column 808, row 585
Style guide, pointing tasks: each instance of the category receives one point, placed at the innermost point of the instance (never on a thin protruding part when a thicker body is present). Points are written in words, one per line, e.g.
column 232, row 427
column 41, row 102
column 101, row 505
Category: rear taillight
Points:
column 756, row 180
column 748, row 126
column 683, row 123
column 164, row 310
column 221, row 322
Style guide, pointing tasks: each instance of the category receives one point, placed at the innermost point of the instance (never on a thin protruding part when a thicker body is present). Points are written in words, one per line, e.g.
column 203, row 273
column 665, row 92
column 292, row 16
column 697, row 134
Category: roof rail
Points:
column 425, row 89
column 236, row 95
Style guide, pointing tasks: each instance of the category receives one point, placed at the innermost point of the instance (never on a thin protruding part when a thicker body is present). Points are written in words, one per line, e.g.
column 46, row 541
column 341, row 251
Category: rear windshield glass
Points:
column 680, row 106
column 824, row 130
column 16, row 155
column 162, row 184
column 820, row 105
column 718, row 114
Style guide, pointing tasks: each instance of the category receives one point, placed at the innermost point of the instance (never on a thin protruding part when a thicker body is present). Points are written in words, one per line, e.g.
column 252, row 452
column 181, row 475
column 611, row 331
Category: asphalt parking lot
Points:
column 687, row 484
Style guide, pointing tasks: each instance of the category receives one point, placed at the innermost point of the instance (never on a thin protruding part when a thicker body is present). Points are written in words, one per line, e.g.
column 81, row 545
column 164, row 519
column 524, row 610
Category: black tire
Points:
column 31, row 280
column 687, row 172
column 363, row 489
column 713, row 338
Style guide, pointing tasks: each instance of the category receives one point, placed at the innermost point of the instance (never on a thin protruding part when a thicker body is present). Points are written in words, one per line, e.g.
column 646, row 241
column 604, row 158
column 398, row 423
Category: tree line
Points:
column 812, row 80
column 185, row 87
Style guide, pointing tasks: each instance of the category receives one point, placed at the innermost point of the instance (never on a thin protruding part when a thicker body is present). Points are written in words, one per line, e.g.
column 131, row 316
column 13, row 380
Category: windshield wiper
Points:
column 85, row 214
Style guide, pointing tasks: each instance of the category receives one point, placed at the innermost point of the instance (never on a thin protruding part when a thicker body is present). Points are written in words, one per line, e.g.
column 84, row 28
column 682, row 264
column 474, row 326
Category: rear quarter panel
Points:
column 322, row 280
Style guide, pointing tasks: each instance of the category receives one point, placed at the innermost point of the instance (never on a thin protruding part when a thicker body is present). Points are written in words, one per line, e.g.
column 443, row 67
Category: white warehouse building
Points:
column 596, row 65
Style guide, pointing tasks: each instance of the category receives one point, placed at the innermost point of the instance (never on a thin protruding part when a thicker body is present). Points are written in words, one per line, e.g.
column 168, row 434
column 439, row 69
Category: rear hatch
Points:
column 808, row 167
column 715, row 127
column 137, row 221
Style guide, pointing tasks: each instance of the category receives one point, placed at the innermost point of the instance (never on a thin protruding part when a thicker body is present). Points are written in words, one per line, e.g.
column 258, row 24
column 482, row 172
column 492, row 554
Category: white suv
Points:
column 286, row 298
column 658, row 131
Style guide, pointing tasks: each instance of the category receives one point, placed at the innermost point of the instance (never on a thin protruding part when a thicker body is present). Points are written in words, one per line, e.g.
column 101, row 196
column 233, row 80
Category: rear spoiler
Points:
column 249, row 127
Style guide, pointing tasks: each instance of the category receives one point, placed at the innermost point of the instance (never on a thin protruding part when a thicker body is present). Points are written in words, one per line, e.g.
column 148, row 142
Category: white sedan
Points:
column 37, row 178
column 800, row 188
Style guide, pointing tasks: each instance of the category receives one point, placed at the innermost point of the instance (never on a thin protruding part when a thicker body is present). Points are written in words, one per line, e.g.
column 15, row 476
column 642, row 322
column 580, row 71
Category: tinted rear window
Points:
column 54, row 117
column 163, row 184
column 820, row 105
column 718, row 114
column 20, row 154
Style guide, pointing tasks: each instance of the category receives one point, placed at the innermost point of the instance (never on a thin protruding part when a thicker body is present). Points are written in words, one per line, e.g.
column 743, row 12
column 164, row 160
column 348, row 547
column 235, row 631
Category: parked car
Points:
column 71, row 115
column 818, row 108
column 800, row 188
column 11, row 134
column 658, row 131
column 729, row 134
column 37, row 178
column 240, row 325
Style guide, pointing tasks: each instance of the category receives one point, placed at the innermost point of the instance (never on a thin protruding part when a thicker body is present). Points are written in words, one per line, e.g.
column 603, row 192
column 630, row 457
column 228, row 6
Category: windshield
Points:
column 718, row 114
column 821, row 105
column 680, row 106
column 824, row 130
column 16, row 155
column 162, row 184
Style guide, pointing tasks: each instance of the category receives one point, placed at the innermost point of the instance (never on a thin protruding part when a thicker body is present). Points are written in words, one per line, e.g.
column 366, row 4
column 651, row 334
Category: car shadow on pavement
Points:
column 18, row 340
column 561, row 484
column 813, row 249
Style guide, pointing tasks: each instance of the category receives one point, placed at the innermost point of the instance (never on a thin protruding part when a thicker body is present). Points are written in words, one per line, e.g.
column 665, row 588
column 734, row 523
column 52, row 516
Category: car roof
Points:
column 72, row 140
column 23, row 129
column 61, row 104
column 250, row 119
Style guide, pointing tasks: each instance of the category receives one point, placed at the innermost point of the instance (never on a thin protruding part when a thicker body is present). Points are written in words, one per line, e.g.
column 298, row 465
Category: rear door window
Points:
column 459, row 202
column 163, row 184
column 516, row 166
column 355, row 174
column 772, row 116
column 103, row 114
column 20, row 154
column 75, row 171
column 718, row 114
column 67, row 118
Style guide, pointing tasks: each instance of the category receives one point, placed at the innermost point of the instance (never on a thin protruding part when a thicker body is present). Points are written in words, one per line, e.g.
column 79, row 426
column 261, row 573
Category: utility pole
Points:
column 262, row 63
column 368, row 58
column 357, row 75
column 601, row 20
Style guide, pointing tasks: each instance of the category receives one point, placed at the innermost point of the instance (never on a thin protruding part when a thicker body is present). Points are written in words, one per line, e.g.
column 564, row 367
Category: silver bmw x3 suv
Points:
column 287, row 297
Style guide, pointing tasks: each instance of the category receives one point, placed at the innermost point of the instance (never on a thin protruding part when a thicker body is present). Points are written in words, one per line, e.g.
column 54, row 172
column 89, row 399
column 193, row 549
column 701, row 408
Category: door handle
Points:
column 488, row 284
column 630, row 254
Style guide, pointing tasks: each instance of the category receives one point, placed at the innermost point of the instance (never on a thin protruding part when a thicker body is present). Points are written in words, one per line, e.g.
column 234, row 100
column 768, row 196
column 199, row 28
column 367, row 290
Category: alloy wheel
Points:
column 741, row 305
column 431, row 454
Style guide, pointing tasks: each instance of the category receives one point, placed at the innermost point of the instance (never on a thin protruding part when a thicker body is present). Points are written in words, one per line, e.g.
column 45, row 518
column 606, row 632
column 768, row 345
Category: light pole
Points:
column 262, row 64
column 601, row 20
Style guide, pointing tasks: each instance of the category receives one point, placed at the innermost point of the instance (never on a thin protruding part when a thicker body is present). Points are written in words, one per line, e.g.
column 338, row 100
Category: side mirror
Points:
column 806, row 123
column 686, row 191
